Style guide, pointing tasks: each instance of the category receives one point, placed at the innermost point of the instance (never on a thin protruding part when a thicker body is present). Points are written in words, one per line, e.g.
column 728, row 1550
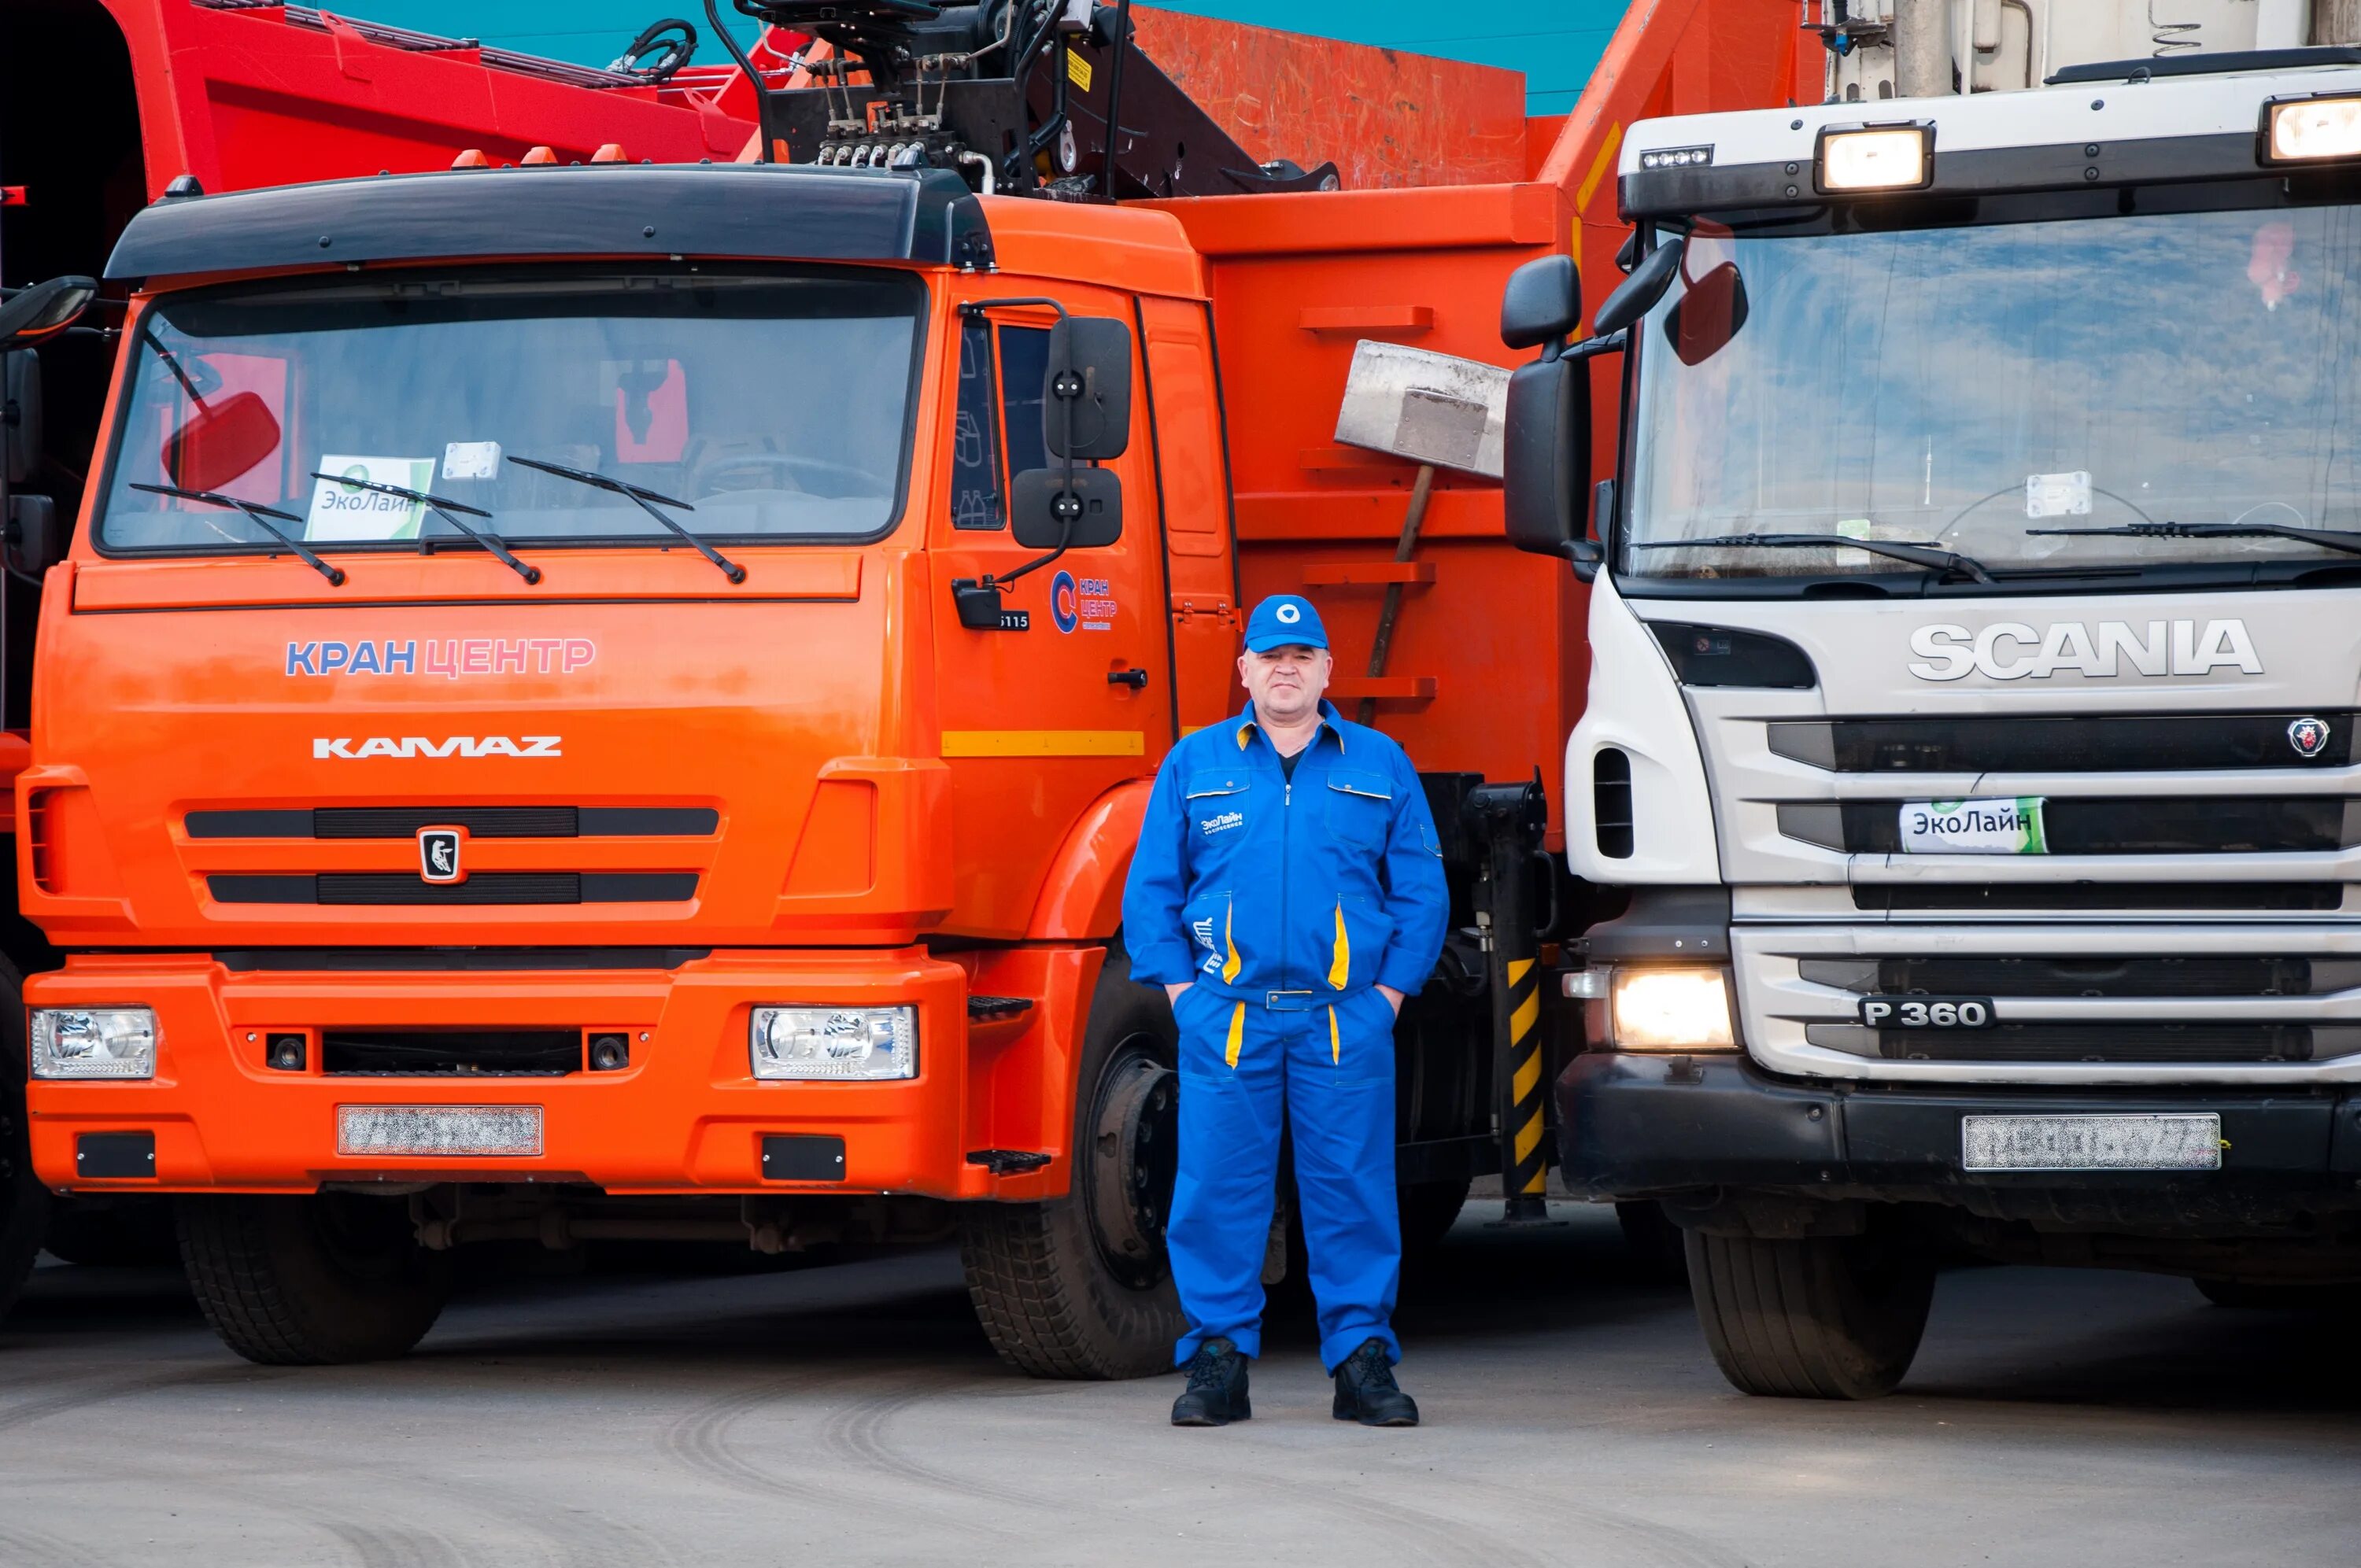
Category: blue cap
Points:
column 1282, row 620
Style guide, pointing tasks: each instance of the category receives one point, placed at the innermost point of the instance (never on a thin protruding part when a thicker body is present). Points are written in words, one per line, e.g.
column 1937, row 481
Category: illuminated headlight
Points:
column 1672, row 1010
column 1887, row 158
column 2304, row 130
column 835, row 1042
column 94, row 1042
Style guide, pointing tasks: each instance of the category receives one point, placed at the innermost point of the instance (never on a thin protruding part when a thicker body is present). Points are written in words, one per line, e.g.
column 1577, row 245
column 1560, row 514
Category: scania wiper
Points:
column 2327, row 538
column 262, row 516
column 444, row 508
column 648, row 502
column 1944, row 561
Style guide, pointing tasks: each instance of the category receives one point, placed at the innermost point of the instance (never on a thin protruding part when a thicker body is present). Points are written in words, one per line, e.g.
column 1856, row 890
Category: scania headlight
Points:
column 2303, row 130
column 835, row 1042
column 1672, row 1010
column 94, row 1042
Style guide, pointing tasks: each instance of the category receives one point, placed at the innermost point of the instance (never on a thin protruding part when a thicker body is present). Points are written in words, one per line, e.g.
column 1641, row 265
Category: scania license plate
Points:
column 435, row 1130
column 2175, row 1142
column 1927, row 1012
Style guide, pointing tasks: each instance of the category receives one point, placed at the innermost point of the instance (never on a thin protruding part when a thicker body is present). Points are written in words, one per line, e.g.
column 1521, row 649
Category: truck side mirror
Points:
column 1089, row 382
column 20, row 413
column 1542, row 302
column 1637, row 295
column 1044, row 502
column 35, row 541
column 44, row 309
column 1546, row 460
column 1545, row 438
column 221, row 441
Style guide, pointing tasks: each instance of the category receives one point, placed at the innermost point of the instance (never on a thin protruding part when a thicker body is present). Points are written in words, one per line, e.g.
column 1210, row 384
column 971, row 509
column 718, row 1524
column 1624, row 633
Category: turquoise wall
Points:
column 1554, row 42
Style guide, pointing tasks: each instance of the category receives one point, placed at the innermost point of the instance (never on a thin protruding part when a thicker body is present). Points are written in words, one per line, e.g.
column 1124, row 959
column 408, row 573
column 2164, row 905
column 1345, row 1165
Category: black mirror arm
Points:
column 1070, row 392
column 1591, row 347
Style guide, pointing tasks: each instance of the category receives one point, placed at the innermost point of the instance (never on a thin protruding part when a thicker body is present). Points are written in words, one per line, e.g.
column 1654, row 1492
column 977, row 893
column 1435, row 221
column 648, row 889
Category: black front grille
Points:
column 1610, row 801
column 2106, row 743
column 2080, row 825
column 2108, row 1042
column 480, row 821
column 446, row 1053
column 2211, row 975
column 486, row 887
column 2077, row 895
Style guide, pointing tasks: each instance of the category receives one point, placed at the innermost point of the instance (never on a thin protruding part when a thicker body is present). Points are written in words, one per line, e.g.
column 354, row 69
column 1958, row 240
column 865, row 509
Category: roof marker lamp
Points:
column 2311, row 130
column 94, row 1042
column 1672, row 1010
column 1877, row 157
column 838, row 1044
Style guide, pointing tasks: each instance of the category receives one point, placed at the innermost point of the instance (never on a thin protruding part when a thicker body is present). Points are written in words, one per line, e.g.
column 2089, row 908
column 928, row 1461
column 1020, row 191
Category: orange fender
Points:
column 1082, row 899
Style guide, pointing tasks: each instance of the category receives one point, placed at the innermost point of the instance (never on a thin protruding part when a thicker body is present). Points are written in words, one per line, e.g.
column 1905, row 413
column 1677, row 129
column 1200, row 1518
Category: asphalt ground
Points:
column 852, row 1414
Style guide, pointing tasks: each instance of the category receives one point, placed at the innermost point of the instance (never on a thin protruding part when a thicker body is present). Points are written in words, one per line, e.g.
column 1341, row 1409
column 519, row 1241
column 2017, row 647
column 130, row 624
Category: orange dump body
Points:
column 819, row 787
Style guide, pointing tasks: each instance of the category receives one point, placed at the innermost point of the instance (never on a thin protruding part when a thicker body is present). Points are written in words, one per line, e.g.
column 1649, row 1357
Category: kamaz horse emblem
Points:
column 2309, row 736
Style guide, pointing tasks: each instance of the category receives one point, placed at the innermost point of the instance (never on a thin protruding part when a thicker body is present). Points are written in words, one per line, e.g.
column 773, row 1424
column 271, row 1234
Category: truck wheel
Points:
column 24, row 1201
column 310, row 1281
column 1816, row 1319
column 1078, row 1286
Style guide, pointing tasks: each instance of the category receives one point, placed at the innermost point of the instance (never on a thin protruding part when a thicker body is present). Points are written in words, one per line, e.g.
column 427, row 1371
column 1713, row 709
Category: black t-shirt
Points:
column 1287, row 763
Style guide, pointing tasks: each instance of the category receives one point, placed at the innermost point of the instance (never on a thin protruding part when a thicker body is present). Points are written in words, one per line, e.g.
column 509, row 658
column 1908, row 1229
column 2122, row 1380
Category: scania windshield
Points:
column 775, row 405
column 2044, row 398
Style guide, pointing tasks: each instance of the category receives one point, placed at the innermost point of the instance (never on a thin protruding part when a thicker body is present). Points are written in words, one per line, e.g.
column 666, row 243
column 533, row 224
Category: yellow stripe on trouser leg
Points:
column 1340, row 963
column 1335, row 1041
column 1234, row 963
column 1237, row 1034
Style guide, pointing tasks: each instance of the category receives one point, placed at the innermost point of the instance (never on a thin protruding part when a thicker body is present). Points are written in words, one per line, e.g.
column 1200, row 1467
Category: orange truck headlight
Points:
column 834, row 1043
column 2307, row 130
column 94, row 1042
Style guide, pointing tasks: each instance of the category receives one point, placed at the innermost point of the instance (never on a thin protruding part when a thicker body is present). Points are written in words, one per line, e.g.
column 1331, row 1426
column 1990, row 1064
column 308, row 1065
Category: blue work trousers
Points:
column 1326, row 1074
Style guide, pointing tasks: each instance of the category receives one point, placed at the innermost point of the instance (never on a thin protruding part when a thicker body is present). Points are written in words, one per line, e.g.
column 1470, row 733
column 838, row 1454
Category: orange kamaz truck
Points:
column 614, row 700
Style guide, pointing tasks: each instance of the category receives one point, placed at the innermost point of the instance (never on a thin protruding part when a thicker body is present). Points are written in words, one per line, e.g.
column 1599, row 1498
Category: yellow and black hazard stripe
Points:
column 1526, row 1172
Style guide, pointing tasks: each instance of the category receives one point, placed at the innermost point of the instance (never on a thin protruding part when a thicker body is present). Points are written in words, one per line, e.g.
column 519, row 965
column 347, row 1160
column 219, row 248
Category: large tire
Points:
column 1078, row 1286
column 24, row 1201
column 311, row 1281
column 1816, row 1319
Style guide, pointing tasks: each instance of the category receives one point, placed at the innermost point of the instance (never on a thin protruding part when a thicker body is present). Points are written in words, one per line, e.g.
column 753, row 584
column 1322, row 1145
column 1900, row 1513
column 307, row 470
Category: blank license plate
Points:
column 438, row 1129
column 2092, row 1142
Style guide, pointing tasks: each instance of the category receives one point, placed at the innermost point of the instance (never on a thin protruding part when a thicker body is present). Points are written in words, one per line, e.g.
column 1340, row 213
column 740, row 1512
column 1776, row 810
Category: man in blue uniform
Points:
column 1288, row 894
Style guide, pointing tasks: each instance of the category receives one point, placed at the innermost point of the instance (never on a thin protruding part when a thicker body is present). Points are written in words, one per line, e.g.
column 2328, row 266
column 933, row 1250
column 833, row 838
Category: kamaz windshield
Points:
column 1964, row 389
column 775, row 405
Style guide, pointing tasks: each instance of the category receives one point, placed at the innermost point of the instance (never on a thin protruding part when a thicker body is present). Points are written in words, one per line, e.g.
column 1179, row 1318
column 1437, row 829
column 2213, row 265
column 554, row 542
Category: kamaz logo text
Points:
column 2012, row 650
column 454, row 746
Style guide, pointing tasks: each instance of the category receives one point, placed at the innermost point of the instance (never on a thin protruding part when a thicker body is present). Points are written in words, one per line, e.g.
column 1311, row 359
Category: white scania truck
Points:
column 1976, row 621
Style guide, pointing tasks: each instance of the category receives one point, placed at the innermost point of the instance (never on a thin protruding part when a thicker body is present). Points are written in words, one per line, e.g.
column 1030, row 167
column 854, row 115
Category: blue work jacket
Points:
column 1286, row 893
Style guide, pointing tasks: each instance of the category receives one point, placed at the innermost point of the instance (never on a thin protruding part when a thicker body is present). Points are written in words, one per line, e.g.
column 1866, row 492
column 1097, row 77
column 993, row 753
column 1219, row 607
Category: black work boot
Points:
column 1367, row 1392
column 1216, row 1394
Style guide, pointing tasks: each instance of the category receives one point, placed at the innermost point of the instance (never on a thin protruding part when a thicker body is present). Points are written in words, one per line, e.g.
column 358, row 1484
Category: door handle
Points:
column 1135, row 679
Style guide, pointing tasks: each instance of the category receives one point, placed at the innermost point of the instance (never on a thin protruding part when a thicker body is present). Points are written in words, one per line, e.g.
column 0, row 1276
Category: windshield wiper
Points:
column 2327, row 538
column 648, row 502
column 262, row 516
column 444, row 508
column 1927, row 555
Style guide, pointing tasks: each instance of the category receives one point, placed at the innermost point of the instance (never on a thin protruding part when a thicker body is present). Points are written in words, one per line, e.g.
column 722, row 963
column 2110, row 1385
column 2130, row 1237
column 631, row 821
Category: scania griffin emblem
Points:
column 438, row 854
column 2308, row 736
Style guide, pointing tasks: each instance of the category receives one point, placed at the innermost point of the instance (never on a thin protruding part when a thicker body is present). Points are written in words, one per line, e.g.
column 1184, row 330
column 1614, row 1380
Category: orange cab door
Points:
column 1194, row 473
column 1039, row 722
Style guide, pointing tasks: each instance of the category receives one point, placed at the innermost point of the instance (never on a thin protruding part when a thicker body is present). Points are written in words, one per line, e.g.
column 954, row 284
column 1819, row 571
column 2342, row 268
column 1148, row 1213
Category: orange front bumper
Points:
column 685, row 1117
